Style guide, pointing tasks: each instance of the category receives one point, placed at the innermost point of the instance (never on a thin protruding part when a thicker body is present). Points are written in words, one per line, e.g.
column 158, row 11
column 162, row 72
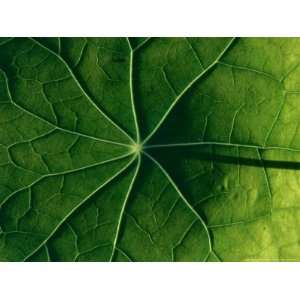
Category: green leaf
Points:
column 149, row 149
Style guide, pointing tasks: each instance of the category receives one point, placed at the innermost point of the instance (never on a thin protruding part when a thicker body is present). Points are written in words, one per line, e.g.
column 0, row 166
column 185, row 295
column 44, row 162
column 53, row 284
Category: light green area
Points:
column 149, row 149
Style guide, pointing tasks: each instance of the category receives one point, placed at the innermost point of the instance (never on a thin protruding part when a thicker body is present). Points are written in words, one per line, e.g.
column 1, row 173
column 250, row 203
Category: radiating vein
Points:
column 123, row 208
column 189, row 144
column 93, row 103
column 186, row 89
column 52, row 124
column 183, row 198
column 132, row 94
column 64, row 173
column 77, row 207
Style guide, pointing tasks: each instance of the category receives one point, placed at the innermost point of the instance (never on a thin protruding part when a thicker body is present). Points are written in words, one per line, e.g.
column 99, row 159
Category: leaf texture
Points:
column 149, row 149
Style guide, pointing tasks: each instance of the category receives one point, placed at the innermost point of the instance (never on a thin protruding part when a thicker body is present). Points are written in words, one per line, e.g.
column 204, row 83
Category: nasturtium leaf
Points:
column 149, row 149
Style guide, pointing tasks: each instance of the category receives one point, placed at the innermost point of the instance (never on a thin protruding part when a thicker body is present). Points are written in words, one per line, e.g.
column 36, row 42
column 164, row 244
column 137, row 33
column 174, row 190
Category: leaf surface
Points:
column 149, row 149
